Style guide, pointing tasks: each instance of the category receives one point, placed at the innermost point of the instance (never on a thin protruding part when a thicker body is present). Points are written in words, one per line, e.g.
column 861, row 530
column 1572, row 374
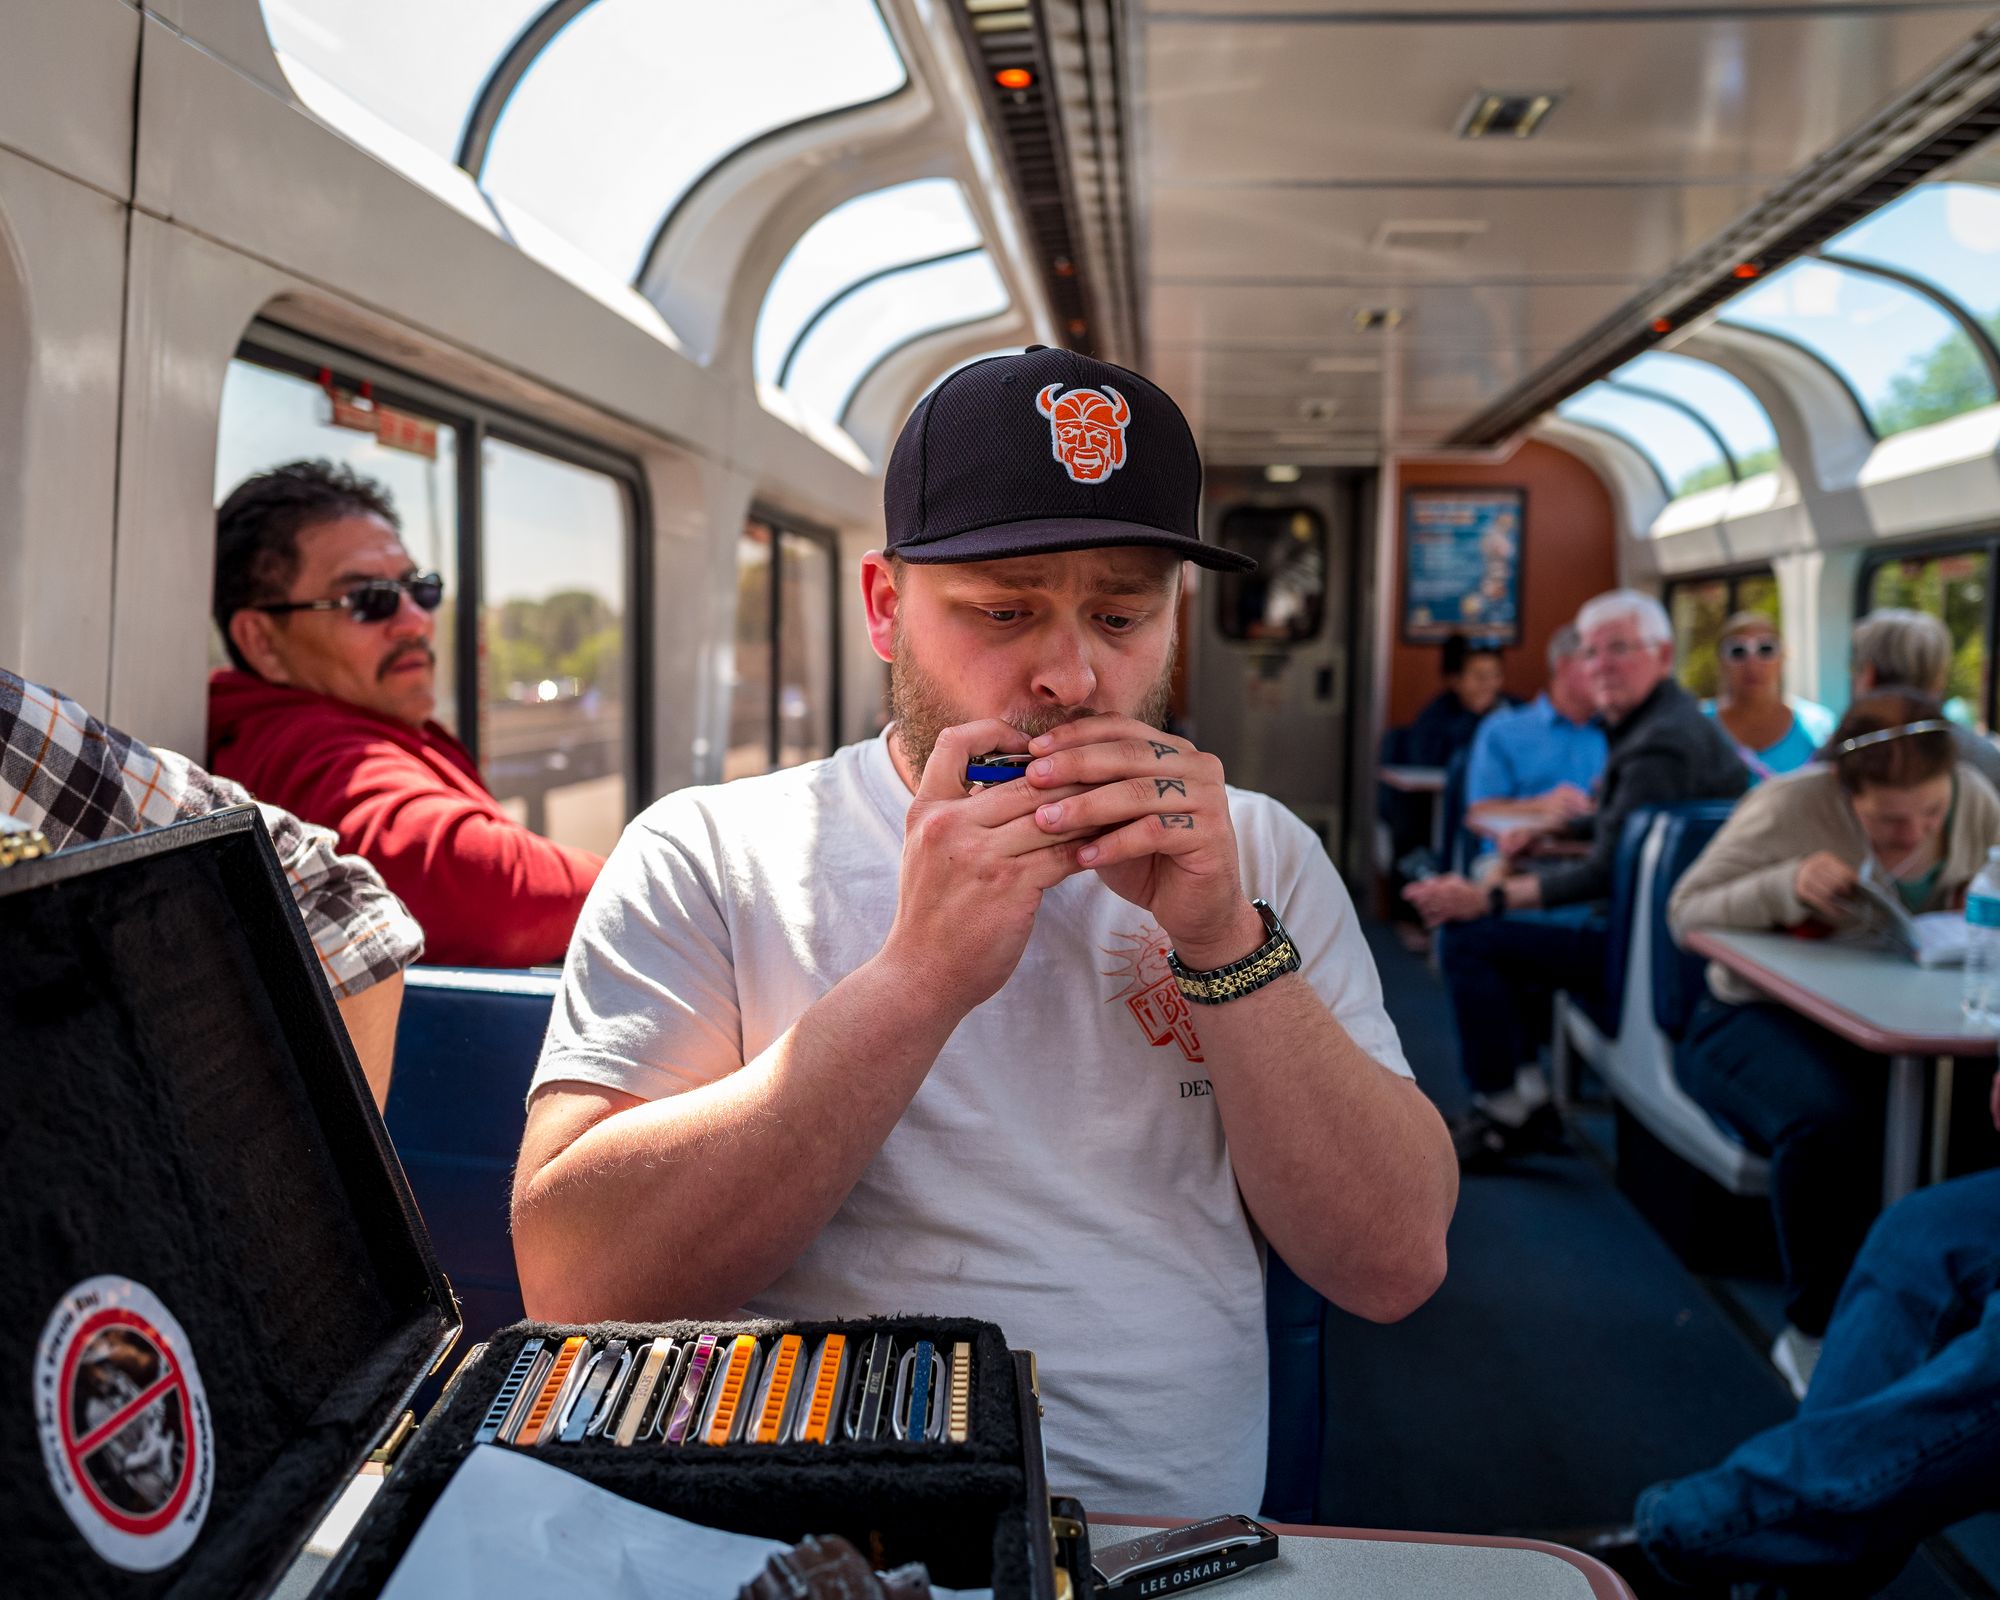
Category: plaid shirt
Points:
column 75, row 778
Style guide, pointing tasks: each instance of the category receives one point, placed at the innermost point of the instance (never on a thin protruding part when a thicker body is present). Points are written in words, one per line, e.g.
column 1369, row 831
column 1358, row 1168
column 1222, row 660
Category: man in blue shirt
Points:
column 1544, row 756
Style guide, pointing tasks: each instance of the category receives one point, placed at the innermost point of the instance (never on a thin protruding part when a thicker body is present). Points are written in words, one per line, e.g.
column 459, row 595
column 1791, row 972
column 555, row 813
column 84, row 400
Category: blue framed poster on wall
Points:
column 1462, row 564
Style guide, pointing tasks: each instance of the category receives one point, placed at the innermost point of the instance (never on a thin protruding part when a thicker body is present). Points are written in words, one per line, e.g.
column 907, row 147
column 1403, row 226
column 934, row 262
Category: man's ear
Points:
column 255, row 636
column 879, row 600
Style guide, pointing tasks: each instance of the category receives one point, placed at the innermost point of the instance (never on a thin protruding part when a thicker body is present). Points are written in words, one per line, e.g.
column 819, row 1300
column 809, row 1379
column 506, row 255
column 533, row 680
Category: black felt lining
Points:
column 957, row 1508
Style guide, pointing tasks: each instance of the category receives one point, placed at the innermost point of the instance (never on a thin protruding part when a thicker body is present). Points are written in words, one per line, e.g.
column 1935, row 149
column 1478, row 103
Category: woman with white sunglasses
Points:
column 1771, row 733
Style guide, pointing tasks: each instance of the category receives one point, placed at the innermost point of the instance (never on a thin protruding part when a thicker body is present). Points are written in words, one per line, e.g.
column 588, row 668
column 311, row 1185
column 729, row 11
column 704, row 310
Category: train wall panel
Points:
column 66, row 77
column 62, row 268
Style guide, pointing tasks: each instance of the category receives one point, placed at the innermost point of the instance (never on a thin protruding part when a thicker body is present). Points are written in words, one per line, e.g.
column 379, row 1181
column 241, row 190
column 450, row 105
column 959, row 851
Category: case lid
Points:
column 215, row 1289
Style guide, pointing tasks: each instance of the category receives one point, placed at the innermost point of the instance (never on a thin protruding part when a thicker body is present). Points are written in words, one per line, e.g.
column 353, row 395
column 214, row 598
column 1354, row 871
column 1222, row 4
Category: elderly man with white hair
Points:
column 1503, row 971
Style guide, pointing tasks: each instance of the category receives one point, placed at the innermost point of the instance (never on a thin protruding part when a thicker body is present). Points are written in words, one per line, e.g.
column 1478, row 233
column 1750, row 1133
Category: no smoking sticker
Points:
column 124, row 1422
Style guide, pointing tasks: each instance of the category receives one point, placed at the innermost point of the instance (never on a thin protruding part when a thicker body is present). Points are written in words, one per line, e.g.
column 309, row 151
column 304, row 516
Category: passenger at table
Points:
column 1897, row 1439
column 1473, row 687
column 1545, row 756
column 1898, row 649
column 327, row 712
column 1894, row 795
column 1772, row 734
column 1502, row 970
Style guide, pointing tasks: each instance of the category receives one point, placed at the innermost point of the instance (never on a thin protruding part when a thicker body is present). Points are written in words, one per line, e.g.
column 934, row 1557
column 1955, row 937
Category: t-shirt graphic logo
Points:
column 1150, row 993
column 1086, row 430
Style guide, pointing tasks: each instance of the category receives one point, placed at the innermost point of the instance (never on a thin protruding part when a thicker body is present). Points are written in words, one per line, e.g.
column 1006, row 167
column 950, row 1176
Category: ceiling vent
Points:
column 1317, row 410
column 1428, row 236
column 1375, row 319
column 1493, row 115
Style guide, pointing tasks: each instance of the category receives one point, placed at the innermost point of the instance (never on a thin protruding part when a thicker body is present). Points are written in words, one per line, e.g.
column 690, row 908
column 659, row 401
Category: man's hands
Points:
column 975, row 867
column 1824, row 882
column 1167, row 843
column 1447, row 898
column 1565, row 802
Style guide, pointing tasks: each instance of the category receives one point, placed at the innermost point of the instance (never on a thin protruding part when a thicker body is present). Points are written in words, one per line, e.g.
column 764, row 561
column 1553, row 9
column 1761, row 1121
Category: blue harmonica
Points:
column 995, row 767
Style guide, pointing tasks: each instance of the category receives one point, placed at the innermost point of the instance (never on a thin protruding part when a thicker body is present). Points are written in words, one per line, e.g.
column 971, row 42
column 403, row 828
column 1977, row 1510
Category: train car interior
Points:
column 1477, row 311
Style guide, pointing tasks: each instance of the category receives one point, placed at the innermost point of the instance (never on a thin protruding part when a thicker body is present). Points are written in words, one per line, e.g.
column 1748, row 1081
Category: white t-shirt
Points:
column 1062, row 1172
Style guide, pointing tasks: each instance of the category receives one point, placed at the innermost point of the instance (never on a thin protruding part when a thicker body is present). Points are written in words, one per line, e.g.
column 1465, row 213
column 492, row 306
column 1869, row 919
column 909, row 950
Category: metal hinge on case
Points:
column 1061, row 1528
column 384, row 1455
column 18, row 843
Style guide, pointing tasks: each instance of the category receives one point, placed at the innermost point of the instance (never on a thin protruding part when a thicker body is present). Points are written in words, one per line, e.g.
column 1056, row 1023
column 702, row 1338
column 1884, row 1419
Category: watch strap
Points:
column 1271, row 960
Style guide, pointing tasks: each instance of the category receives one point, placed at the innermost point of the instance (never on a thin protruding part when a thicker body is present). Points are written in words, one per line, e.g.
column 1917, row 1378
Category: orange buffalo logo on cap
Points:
column 1086, row 430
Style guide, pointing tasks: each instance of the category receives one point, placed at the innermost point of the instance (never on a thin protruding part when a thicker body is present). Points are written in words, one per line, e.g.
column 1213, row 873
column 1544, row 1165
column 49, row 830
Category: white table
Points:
column 1372, row 1564
column 1873, row 998
column 1425, row 781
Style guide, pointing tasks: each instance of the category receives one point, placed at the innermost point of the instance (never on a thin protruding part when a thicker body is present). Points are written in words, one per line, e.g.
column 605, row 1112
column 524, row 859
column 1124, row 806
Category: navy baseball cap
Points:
column 1045, row 451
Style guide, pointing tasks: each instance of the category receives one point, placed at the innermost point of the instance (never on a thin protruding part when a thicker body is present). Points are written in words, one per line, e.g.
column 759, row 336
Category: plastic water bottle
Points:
column 1982, row 945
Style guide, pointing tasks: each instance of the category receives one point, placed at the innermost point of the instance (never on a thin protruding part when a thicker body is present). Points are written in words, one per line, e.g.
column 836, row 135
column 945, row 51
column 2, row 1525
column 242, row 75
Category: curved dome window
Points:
column 1680, row 451
column 1907, row 362
column 634, row 100
column 1723, row 402
column 851, row 246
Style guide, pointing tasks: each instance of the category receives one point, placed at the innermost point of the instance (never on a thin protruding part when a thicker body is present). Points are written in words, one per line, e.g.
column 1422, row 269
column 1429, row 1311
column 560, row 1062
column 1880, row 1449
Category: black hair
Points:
column 257, row 531
column 1459, row 651
column 1901, row 762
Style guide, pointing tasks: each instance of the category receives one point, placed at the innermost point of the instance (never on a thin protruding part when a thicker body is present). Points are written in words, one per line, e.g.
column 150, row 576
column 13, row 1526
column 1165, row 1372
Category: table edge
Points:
column 1817, row 1008
column 1604, row 1583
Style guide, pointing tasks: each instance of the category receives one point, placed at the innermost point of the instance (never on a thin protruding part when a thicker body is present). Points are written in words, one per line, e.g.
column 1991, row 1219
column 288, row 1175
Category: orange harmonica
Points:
column 729, row 1386
column 829, row 1384
column 551, row 1391
column 774, row 1407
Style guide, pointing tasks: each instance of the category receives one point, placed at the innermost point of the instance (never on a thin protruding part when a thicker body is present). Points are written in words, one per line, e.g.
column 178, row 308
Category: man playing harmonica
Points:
column 1063, row 1053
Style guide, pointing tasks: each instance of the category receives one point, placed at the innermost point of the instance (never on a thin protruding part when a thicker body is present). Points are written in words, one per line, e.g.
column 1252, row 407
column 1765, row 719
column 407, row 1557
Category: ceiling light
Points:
column 1014, row 78
column 1435, row 236
column 1317, row 410
column 1494, row 115
column 1373, row 319
column 1344, row 364
column 1276, row 474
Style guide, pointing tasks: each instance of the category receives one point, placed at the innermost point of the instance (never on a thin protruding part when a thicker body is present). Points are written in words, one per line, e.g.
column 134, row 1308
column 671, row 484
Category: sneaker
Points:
column 1795, row 1355
column 1480, row 1142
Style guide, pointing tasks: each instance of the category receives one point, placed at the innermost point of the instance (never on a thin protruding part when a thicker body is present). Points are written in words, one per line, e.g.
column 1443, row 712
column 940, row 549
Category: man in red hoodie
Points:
column 327, row 713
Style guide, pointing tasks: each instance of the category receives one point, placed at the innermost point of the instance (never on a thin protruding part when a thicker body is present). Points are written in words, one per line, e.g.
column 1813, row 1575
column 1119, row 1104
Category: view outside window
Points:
column 271, row 417
column 1952, row 587
column 554, row 559
column 1284, row 600
column 805, row 650
column 749, row 749
column 1681, row 452
column 1724, row 403
column 1907, row 362
column 1699, row 607
column 635, row 99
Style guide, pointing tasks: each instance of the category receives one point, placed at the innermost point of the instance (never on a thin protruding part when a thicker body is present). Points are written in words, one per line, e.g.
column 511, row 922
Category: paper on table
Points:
column 509, row 1527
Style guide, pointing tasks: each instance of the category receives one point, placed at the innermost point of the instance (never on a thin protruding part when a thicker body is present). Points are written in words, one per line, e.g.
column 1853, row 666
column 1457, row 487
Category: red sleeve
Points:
column 488, row 892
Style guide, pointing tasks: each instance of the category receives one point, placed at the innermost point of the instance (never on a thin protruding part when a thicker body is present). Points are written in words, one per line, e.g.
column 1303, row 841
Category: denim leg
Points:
column 1502, row 973
column 1841, row 1495
column 1813, row 1104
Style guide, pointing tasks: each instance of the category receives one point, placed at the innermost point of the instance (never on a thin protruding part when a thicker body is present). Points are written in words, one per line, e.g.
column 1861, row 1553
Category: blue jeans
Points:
column 1898, row 1437
column 1503, row 972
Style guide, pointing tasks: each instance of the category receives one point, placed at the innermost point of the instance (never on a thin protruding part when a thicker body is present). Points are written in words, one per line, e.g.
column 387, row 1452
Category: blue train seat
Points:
column 1588, row 1024
column 466, row 1047
column 465, row 1050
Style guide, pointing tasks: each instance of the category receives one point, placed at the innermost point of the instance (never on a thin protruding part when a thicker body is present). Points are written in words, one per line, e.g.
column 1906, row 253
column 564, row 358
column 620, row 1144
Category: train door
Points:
column 1271, row 652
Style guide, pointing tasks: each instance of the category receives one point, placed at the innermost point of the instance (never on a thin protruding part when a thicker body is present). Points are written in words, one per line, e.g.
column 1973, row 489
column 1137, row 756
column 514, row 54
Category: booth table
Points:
column 1878, row 1000
column 1372, row 1564
column 1425, row 781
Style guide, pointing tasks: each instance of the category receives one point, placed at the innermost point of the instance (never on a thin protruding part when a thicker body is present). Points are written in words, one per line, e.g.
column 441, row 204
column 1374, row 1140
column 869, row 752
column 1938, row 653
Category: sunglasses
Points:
column 1743, row 649
column 374, row 601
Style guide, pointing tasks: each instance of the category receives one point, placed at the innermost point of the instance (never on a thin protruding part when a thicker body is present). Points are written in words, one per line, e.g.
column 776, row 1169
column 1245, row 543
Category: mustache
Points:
column 402, row 653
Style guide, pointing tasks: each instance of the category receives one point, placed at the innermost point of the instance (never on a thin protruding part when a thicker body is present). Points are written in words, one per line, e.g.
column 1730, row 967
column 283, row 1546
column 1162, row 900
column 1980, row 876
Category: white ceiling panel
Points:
column 1734, row 98
column 1438, row 317
column 1576, row 234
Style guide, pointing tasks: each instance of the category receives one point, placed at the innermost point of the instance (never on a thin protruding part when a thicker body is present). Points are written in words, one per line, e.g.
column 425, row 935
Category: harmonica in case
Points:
column 257, row 1288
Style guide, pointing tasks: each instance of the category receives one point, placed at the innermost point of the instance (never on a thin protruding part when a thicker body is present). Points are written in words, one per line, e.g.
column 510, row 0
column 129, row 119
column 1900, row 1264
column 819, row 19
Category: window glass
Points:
column 1759, row 594
column 1698, row 611
column 635, row 99
column 749, row 749
column 1728, row 407
column 553, row 564
column 1947, row 234
column 416, row 67
column 889, row 228
column 868, row 324
column 805, row 649
column 1953, row 588
column 270, row 417
column 1906, row 361
column 1284, row 600
column 1684, row 456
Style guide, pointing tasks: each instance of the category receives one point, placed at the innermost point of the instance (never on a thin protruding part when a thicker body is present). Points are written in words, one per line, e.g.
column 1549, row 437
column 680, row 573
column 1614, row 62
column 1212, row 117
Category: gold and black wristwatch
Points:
column 1275, row 957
